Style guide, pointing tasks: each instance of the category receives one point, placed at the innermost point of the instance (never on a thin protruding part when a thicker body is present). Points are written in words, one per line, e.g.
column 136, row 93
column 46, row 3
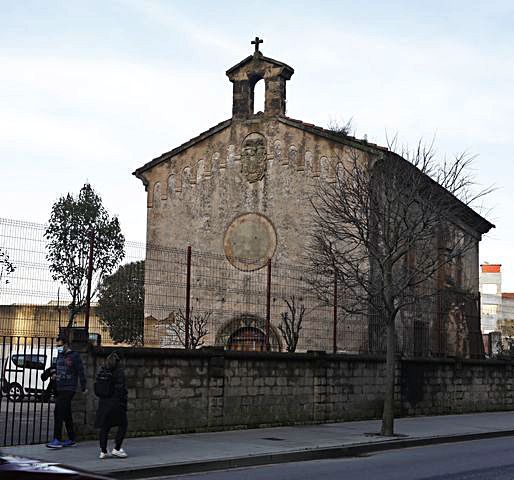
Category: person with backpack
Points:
column 66, row 373
column 111, row 389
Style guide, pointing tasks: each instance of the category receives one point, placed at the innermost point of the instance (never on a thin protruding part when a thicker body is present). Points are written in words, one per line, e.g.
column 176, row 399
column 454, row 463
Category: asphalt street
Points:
column 473, row 460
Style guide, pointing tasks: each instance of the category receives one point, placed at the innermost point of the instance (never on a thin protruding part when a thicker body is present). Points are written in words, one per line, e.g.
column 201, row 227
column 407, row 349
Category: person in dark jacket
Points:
column 67, row 372
column 49, row 373
column 112, row 409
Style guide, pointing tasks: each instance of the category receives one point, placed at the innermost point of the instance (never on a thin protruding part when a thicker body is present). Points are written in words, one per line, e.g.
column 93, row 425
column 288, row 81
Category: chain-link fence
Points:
column 182, row 298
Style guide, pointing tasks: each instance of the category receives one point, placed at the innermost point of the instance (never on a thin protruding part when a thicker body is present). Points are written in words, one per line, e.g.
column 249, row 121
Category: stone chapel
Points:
column 241, row 189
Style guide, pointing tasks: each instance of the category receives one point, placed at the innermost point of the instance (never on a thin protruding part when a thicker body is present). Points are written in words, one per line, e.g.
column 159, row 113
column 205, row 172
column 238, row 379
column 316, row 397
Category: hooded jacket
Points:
column 69, row 370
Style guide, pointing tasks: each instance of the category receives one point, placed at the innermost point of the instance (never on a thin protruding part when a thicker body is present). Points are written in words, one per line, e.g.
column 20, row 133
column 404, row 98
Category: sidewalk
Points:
column 175, row 454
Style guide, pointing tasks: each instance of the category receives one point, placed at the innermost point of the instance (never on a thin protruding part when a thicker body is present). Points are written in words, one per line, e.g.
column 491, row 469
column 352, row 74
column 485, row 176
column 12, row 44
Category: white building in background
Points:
column 490, row 284
column 497, row 306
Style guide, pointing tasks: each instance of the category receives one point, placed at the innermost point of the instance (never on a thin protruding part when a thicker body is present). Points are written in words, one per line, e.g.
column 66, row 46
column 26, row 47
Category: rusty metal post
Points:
column 268, row 306
column 334, row 347
column 188, row 297
column 89, row 280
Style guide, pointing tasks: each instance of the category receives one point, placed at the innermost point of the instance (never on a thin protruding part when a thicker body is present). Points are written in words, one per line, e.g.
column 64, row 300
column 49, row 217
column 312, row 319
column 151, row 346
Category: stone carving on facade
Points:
column 194, row 174
column 171, row 183
column 277, row 150
column 293, row 156
column 215, row 162
column 316, row 167
column 200, row 170
column 208, row 166
column 308, row 163
column 332, row 166
column 254, row 157
column 186, row 178
column 231, row 155
column 156, row 194
column 339, row 170
column 324, row 167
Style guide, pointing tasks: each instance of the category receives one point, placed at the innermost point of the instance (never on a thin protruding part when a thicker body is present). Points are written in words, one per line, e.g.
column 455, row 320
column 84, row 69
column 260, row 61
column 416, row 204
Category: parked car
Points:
column 21, row 375
column 20, row 468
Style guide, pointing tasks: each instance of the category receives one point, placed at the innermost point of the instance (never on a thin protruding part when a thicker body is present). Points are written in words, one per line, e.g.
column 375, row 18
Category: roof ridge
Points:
column 261, row 58
column 171, row 153
column 332, row 134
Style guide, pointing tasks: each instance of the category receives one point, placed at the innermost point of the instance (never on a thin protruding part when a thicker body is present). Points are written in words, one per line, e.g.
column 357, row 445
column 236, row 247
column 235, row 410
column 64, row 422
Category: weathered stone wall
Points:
column 197, row 194
column 173, row 391
column 194, row 196
column 443, row 387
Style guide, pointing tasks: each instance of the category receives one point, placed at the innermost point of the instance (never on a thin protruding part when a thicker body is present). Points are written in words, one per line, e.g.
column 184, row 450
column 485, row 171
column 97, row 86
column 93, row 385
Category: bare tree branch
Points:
column 291, row 322
column 175, row 325
column 389, row 228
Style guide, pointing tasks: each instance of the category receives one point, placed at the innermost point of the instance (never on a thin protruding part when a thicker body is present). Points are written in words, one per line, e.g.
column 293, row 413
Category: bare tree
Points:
column 387, row 227
column 198, row 327
column 291, row 322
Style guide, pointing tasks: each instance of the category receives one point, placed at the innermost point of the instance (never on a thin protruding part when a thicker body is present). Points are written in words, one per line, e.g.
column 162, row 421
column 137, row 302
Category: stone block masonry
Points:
column 440, row 387
column 177, row 391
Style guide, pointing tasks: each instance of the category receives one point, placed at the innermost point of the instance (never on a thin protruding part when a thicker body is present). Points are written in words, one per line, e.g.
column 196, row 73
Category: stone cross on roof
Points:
column 256, row 43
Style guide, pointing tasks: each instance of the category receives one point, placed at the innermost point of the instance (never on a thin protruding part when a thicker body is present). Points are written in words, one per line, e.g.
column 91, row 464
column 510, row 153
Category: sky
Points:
column 91, row 90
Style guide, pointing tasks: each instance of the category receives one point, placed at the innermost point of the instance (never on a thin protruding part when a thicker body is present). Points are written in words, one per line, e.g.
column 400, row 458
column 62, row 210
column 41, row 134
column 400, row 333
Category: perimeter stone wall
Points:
column 177, row 391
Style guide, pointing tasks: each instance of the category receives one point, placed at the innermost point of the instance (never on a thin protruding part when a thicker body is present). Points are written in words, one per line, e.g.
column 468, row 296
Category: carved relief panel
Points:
column 254, row 157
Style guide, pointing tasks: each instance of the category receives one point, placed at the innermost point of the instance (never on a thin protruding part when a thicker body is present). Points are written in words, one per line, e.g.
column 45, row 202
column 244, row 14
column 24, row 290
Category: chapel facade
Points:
column 241, row 190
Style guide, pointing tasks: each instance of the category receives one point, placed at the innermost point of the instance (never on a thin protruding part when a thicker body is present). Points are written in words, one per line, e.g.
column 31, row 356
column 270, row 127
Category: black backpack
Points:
column 104, row 384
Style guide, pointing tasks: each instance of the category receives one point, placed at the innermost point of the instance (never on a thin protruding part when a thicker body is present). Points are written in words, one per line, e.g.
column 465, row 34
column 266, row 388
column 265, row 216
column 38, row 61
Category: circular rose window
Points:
column 250, row 241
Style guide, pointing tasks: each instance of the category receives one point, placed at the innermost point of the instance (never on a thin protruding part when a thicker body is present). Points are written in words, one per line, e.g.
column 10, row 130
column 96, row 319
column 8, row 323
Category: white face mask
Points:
column 60, row 349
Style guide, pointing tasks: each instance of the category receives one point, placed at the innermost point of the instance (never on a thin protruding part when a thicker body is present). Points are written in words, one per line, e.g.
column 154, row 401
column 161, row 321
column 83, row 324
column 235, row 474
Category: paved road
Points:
column 25, row 422
column 474, row 460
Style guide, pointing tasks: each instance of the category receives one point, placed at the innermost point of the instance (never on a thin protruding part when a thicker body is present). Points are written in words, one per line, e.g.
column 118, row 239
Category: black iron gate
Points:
column 26, row 407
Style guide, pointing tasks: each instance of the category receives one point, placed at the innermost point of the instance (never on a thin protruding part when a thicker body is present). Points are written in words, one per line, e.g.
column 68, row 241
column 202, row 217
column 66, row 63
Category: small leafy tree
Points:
column 121, row 303
column 72, row 222
column 291, row 322
column 198, row 327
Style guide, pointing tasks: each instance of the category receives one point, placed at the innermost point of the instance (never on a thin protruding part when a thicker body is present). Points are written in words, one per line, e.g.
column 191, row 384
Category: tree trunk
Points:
column 72, row 313
column 388, row 412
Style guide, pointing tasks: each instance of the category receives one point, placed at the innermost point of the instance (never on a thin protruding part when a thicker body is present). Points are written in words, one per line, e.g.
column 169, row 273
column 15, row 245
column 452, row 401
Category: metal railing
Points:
column 26, row 407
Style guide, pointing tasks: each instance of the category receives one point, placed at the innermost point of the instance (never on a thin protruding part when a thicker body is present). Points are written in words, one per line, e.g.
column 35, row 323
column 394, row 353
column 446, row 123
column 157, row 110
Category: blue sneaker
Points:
column 69, row 443
column 54, row 444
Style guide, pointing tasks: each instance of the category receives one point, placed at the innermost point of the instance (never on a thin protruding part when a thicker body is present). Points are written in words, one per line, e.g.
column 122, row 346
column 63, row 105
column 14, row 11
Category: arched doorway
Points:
column 246, row 332
column 248, row 339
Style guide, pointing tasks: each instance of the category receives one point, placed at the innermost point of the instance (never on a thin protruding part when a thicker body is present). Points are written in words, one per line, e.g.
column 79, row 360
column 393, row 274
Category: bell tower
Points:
column 248, row 72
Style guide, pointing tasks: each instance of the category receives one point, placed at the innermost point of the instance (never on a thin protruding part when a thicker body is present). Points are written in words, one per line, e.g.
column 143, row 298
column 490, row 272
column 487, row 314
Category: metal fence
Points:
column 26, row 408
column 32, row 303
column 183, row 298
column 262, row 309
